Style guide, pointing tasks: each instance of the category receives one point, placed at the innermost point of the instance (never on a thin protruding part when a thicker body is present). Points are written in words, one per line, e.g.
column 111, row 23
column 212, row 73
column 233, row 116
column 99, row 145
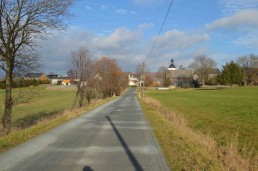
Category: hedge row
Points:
column 24, row 83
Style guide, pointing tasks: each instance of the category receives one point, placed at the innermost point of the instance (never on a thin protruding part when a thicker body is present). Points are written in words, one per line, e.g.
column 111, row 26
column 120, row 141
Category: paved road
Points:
column 114, row 136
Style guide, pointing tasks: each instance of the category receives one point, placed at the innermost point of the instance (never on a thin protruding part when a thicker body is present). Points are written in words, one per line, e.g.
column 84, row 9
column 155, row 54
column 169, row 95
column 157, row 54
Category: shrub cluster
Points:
column 24, row 83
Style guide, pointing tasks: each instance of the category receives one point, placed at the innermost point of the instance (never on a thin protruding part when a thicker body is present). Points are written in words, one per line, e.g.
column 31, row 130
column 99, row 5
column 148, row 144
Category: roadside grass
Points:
column 48, row 110
column 229, row 116
column 181, row 151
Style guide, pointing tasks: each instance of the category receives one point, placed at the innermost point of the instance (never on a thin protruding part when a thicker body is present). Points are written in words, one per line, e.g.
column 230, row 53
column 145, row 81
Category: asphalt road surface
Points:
column 114, row 136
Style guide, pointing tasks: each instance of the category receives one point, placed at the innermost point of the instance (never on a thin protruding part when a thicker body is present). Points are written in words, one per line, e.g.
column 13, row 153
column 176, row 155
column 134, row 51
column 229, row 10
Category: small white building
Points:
column 133, row 80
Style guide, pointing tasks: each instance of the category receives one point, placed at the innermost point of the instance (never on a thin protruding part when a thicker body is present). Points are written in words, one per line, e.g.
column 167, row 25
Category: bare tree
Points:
column 149, row 82
column 248, row 64
column 82, row 67
column 203, row 66
column 112, row 77
column 21, row 23
column 164, row 76
column 141, row 69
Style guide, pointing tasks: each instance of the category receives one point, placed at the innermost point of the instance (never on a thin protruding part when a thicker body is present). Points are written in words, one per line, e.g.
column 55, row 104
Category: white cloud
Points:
column 232, row 6
column 88, row 7
column 127, row 46
column 175, row 44
column 247, row 18
column 176, row 40
column 54, row 52
column 146, row 2
column 120, row 38
column 242, row 25
column 250, row 41
column 121, row 11
column 145, row 26
column 133, row 12
column 103, row 7
column 122, row 44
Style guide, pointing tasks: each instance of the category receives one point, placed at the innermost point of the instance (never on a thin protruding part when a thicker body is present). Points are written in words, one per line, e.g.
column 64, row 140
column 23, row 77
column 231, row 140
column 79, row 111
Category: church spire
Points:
column 172, row 65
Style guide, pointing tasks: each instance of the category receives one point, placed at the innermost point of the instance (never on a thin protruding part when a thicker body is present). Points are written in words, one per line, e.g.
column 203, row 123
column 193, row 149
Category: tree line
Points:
column 243, row 71
column 95, row 78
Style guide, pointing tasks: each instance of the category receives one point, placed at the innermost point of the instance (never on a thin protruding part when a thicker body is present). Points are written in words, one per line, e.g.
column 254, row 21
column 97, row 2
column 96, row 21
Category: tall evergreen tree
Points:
column 231, row 74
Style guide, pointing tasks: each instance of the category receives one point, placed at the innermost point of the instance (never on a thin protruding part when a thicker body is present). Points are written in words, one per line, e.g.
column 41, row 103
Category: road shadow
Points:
column 130, row 155
column 87, row 168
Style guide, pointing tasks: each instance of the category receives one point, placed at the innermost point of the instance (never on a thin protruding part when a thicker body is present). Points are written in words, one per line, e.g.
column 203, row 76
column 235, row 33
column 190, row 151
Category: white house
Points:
column 133, row 80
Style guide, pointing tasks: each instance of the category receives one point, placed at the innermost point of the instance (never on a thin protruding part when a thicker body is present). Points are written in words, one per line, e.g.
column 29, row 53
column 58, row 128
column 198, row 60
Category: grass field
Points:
column 225, row 114
column 180, row 150
column 46, row 102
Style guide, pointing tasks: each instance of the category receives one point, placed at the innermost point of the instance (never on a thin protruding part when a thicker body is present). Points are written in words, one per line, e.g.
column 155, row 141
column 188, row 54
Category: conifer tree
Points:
column 231, row 74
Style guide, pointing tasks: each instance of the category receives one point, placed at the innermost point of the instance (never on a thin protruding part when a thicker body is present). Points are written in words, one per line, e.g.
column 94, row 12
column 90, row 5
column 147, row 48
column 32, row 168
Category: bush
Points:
column 44, row 82
column 213, row 81
column 21, row 82
column 2, row 85
column 196, row 83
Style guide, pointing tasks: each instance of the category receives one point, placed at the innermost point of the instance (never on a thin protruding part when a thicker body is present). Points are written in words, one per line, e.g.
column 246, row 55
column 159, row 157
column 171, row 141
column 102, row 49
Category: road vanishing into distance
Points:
column 115, row 136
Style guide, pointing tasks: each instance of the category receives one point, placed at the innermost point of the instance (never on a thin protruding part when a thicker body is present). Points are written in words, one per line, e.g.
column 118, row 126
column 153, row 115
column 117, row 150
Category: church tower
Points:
column 172, row 65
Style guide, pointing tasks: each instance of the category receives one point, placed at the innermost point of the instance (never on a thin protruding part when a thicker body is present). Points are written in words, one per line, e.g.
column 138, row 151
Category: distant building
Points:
column 60, row 81
column 36, row 76
column 172, row 66
column 50, row 76
column 66, row 82
column 182, row 77
column 133, row 80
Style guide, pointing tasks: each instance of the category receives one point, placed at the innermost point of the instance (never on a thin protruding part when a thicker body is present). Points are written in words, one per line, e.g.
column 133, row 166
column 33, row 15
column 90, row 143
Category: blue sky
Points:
column 125, row 30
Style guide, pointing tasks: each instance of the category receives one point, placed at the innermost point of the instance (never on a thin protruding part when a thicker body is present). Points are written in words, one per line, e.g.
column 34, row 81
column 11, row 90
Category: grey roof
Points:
column 61, row 78
column 180, row 73
column 34, row 75
column 172, row 65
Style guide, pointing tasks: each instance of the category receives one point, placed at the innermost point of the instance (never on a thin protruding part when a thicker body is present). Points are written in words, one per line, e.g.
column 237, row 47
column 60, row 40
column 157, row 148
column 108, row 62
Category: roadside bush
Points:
column 196, row 83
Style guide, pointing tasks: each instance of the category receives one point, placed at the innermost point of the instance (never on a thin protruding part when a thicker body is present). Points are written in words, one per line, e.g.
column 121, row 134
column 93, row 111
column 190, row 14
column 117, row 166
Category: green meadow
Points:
column 227, row 115
column 223, row 113
column 42, row 103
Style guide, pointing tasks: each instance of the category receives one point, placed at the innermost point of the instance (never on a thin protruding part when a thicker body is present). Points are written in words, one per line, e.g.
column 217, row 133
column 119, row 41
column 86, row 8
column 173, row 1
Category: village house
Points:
column 58, row 80
column 36, row 76
column 133, row 80
column 181, row 77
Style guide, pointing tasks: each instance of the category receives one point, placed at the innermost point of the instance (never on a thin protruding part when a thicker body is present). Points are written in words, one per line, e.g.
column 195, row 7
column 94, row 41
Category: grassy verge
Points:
column 45, row 112
column 181, row 151
column 223, row 122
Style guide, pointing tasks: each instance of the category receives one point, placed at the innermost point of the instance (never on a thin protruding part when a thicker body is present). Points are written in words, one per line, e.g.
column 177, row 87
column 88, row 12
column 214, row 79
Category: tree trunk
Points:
column 88, row 98
column 245, row 80
column 203, row 81
column 80, row 100
column 6, row 120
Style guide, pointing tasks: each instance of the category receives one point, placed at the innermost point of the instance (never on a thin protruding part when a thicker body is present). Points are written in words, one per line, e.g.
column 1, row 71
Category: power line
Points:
column 154, row 44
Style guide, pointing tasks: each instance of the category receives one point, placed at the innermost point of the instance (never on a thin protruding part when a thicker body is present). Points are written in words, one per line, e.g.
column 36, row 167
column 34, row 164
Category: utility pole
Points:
column 143, row 77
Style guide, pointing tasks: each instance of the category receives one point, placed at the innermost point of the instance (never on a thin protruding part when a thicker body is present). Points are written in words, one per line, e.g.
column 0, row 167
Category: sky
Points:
column 126, row 30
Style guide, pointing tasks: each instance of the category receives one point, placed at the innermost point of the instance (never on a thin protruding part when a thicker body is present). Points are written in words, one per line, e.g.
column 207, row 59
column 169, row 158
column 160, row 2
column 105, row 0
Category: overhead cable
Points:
column 163, row 23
